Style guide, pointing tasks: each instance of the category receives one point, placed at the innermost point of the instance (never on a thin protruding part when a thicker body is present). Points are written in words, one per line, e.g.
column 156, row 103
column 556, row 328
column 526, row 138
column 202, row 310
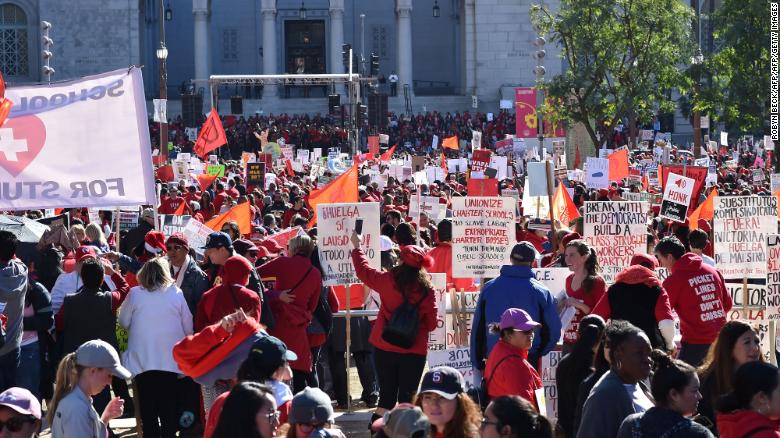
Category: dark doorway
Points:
column 304, row 53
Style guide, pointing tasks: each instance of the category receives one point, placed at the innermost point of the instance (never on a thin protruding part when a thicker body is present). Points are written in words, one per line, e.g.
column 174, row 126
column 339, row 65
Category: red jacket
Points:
column 698, row 294
column 222, row 300
column 384, row 284
column 292, row 319
column 199, row 353
column 442, row 263
column 737, row 425
column 514, row 376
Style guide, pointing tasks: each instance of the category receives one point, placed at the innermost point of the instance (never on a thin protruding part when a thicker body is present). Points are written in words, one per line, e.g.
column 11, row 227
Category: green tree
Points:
column 734, row 81
column 623, row 58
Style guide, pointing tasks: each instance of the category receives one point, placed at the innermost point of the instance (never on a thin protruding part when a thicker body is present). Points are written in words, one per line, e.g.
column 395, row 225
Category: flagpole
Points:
column 548, row 171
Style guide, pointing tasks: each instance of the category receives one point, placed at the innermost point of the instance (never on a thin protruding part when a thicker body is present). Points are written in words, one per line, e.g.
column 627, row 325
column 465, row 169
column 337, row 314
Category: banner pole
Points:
column 116, row 232
column 549, row 173
column 348, row 347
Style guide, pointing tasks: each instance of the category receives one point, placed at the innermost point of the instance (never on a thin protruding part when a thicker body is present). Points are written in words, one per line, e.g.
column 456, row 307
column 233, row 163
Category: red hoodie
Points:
column 698, row 294
column 739, row 423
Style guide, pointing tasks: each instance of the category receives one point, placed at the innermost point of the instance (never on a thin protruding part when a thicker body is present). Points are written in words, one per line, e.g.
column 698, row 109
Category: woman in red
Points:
column 293, row 310
column 584, row 286
column 399, row 369
column 508, row 371
column 752, row 409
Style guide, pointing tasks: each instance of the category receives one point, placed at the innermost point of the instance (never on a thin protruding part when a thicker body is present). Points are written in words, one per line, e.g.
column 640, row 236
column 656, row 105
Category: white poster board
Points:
column 597, row 176
column 617, row 231
column 335, row 223
column 483, row 233
column 677, row 197
column 741, row 225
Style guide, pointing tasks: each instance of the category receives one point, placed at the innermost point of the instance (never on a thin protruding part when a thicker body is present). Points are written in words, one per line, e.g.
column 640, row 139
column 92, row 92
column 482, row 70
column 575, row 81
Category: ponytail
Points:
column 66, row 380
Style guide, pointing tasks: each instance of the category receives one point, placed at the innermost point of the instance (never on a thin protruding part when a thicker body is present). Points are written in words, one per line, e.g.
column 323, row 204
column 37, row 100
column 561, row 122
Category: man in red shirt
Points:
column 442, row 258
column 698, row 294
column 169, row 204
column 297, row 208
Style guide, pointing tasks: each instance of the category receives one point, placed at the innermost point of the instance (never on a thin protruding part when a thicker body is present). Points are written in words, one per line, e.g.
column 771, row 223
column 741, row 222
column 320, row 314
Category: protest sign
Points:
column 535, row 206
column 181, row 170
column 774, row 181
column 501, row 166
column 740, row 227
column 518, row 148
column 79, row 143
column 437, row 338
column 287, row 152
column 435, row 142
column 677, row 198
column 283, row 237
column 698, row 174
column 460, row 307
column 773, row 277
column 597, row 175
column 170, row 224
column 504, row 146
column 769, row 144
column 429, row 205
column 537, row 178
column 724, row 138
column 128, row 220
column 758, row 176
column 480, row 160
column 197, row 234
column 617, row 231
column 435, row 173
column 548, row 370
column 458, row 358
column 749, row 301
column 335, row 223
column 476, row 140
column 303, row 155
column 483, row 232
column 553, row 278
column 482, row 187
column 255, row 173
column 215, row 170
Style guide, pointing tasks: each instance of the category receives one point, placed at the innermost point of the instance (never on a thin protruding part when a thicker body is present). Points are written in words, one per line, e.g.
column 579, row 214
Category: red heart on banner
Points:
column 21, row 140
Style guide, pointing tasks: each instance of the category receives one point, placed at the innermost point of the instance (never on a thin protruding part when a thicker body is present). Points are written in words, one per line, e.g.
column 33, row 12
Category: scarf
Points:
column 638, row 274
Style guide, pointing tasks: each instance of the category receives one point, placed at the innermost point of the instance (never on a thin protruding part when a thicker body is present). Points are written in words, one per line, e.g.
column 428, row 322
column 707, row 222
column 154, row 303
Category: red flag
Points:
column 341, row 189
column 482, row 187
column 706, row 210
column 240, row 214
column 373, row 145
column 618, row 165
column 211, row 136
column 563, row 207
column 288, row 166
column 451, row 143
column 577, row 158
column 444, row 163
column 164, row 173
column 388, row 155
column 205, row 180
column 181, row 209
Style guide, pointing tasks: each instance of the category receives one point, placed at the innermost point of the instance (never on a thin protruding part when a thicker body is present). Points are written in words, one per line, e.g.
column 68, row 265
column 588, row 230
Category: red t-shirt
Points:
column 591, row 298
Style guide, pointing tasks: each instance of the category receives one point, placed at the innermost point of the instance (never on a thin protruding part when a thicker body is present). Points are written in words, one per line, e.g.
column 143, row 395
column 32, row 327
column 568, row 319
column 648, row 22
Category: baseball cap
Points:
column 444, row 381
column 311, row 406
column 404, row 421
column 271, row 351
column 218, row 239
column 517, row 319
column 22, row 401
column 100, row 354
column 523, row 252
column 243, row 246
column 84, row 252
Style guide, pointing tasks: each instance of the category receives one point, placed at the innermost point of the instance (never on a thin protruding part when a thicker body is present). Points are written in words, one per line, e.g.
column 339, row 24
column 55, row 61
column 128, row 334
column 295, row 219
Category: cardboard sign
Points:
column 480, row 160
column 335, row 223
column 197, row 234
column 535, row 206
column 458, row 358
column 437, row 339
column 617, row 231
column 429, row 205
column 548, row 370
column 597, row 176
column 418, row 163
column 458, row 325
column 483, row 233
column 741, row 225
column 255, row 174
column 677, row 198
column 537, row 178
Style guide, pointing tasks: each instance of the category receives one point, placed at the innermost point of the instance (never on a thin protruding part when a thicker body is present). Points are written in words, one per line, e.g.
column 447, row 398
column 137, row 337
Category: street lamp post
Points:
column 698, row 60
column 162, row 56
column 540, row 72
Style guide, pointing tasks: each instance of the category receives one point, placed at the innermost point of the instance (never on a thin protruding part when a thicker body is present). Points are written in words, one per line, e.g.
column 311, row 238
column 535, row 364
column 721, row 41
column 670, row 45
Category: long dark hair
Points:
column 465, row 422
column 240, row 409
column 718, row 368
column 592, row 267
column 408, row 278
column 750, row 379
column 521, row 417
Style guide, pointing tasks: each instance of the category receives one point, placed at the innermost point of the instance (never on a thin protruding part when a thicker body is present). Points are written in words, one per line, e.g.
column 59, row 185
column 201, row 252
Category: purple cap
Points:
column 21, row 401
column 517, row 319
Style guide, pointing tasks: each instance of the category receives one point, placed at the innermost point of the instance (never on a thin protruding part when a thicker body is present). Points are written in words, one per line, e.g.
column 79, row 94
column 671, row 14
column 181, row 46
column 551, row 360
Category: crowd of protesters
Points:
column 237, row 339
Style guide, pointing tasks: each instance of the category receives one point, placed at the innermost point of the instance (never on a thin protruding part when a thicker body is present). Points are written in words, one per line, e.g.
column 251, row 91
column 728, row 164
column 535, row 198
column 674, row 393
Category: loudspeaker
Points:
column 237, row 105
column 192, row 110
column 377, row 111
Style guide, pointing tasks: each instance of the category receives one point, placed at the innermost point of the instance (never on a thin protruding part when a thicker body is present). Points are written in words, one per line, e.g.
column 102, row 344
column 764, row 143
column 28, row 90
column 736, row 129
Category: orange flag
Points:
column 451, row 143
column 704, row 211
column 289, row 168
column 618, row 165
column 342, row 189
column 205, row 180
column 444, row 163
column 181, row 209
column 388, row 155
column 240, row 214
column 211, row 136
column 563, row 207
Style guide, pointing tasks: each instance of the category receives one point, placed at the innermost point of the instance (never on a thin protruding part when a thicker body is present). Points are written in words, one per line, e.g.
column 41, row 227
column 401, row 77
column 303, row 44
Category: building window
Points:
column 379, row 35
column 230, row 45
column 14, row 53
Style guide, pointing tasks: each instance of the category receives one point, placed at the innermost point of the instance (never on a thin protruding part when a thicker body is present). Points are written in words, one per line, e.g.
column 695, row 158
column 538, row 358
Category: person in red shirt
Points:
column 697, row 292
column 219, row 198
column 752, row 409
column 442, row 258
column 170, row 203
column 584, row 287
column 297, row 208
column 508, row 371
column 192, row 194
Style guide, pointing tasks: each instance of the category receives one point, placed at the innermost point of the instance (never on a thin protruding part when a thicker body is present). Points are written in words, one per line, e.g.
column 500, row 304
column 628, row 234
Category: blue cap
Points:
column 218, row 239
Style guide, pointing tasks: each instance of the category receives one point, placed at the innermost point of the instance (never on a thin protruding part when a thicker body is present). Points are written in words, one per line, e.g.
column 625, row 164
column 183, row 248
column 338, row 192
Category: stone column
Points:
column 201, row 12
column 403, row 9
column 469, row 53
column 268, row 9
column 336, row 10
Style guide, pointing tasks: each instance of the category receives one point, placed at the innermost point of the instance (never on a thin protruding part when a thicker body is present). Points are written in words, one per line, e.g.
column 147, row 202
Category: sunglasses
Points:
column 15, row 424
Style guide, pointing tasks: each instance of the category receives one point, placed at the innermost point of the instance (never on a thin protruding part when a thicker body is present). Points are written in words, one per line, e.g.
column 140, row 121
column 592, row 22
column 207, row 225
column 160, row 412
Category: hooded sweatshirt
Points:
column 739, row 424
column 698, row 294
column 13, row 287
column 226, row 298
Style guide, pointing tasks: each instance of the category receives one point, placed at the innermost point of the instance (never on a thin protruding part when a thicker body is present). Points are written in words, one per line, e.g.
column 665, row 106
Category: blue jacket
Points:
column 516, row 287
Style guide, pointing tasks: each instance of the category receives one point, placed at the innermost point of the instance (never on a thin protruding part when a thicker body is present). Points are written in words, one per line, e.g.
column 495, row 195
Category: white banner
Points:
column 617, row 231
column 741, row 225
column 82, row 143
column 335, row 223
column 483, row 233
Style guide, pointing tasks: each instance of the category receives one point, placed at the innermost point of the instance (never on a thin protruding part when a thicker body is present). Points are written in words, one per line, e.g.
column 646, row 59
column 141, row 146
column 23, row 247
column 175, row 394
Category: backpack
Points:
column 322, row 318
column 402, row 327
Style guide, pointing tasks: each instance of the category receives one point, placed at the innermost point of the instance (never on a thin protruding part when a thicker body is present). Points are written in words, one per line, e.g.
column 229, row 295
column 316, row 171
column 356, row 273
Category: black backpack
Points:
column 402, row 327
column 322, row 318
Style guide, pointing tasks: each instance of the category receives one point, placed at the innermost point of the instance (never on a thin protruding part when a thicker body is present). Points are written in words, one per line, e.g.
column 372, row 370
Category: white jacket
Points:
column 155, row 321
